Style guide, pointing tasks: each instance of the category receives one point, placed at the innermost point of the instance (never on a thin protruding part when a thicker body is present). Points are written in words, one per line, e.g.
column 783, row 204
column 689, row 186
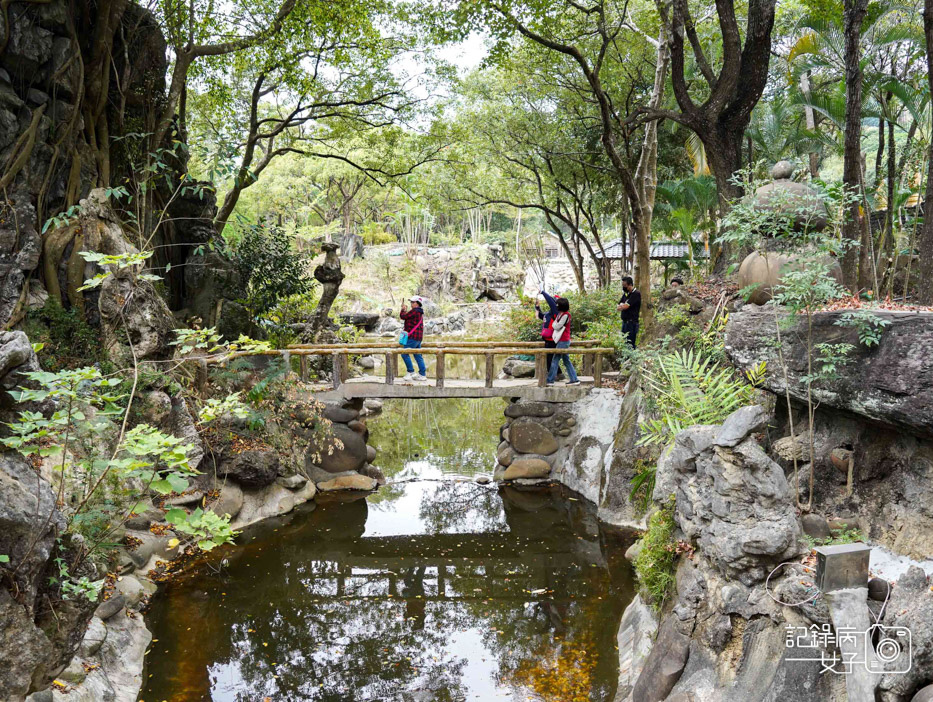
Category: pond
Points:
column 434, row 588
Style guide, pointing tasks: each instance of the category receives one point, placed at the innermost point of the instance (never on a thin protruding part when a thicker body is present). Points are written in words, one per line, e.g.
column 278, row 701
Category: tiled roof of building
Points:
column 660, row 250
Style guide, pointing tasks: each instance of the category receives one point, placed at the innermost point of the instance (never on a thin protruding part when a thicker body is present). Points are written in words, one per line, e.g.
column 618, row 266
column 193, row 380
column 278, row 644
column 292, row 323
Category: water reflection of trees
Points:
column 455, row 435
column 460, row 507
column 317, row 610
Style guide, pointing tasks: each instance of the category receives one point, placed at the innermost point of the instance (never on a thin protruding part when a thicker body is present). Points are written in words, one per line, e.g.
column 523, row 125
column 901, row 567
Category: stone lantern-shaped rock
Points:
column 796, row 208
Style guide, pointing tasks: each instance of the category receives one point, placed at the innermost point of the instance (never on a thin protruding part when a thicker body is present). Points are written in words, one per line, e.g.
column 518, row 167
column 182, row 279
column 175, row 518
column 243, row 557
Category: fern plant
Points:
column 688, row 388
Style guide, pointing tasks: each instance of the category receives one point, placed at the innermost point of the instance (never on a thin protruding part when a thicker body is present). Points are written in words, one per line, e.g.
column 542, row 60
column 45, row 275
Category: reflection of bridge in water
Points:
column 446, row 567
column 348, row 598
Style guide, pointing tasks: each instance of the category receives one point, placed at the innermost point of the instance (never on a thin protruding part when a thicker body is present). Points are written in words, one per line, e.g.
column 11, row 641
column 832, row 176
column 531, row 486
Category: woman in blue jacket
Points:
column 547, row 318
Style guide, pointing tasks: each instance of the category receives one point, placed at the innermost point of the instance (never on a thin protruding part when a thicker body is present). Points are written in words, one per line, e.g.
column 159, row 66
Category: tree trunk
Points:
column 889, row 252
column 646, row 180
column 879, row 154
column 854, row 12
column 866, row 264
column 724, row 154
column 810, row 120
column 925, row 242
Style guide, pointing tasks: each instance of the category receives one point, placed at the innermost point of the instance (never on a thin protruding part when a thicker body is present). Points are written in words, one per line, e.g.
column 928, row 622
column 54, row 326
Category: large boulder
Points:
column 126, row 308
column 349, row 456
column 517, row 368
column 253, row 468
column 182, row 426
column 891, row 382
column 20, row 244
column 16, row 358
column 731, row 499
column 527, row 436
column 23, row 648
column 910, row 608
column 29, row 523
column 799, row 203
column 527, row 468
column 363, row 320
column 761, row 273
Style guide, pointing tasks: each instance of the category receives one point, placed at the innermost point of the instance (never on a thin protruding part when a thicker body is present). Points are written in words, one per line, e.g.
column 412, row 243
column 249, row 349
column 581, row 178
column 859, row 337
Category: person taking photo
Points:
column 411, row 337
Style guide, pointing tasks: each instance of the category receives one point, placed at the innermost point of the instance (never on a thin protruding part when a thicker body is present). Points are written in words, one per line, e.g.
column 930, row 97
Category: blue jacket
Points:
column 546, row 317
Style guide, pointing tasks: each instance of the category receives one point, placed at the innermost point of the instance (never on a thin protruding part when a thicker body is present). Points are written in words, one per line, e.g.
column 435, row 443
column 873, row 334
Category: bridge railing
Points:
column 593, row 358
column 430, row 343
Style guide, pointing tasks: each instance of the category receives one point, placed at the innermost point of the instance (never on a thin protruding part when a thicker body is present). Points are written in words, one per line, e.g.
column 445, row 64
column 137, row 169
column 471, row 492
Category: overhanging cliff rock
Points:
column 890, row 383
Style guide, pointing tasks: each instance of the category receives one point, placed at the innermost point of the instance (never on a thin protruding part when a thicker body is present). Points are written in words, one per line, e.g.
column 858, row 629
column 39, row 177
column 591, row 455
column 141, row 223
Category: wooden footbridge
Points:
column 590, row 371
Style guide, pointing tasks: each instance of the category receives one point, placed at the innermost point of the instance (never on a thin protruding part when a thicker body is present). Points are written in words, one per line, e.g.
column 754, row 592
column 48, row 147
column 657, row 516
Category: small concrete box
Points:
column 842, row 567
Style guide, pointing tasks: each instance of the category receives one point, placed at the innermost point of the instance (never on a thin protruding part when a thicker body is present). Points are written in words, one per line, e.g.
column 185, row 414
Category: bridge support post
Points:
column 337, row 369
column 303, row 367
column 490, row 369
column 598, row 370
column 287, row 360
column 587, row 363
column 390, row 368
column 344, row 367
column 440, row 371
column 541, row 368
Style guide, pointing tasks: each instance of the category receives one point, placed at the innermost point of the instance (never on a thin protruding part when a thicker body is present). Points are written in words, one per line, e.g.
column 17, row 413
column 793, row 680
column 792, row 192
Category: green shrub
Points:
column 849, row 536
column 686, row 388
column 594, row 317
column 656, row 562
column 270, row 265
column 295, row 309
column 372, row 234
column 594, row 309
column 68, row 340
column 643, row 484
column 522, row 323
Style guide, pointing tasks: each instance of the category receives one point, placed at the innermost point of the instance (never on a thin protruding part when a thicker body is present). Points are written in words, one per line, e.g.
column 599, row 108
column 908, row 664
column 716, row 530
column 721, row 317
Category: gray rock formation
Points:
column 731, row 498
column 29, row 524
column 594, row 447
column 911, row 608
column 350, row 455
column 126, row 308
column 253, row 468
column 891, row 383
column 879, row 413
column 40, row 630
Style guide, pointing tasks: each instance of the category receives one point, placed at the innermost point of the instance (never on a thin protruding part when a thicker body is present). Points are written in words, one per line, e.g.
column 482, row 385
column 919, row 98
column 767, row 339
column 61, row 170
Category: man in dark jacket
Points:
column 629, row 306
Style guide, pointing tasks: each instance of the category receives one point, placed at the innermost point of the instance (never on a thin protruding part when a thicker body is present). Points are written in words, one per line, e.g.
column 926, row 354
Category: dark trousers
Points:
column 630, row 332
column 550, row 344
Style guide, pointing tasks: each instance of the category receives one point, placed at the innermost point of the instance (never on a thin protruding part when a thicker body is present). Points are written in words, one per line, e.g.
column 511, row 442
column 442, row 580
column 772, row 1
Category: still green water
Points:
column 435, row 588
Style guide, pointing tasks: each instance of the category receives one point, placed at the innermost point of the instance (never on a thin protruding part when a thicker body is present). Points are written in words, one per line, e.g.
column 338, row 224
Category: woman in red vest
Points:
column 561, row 334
